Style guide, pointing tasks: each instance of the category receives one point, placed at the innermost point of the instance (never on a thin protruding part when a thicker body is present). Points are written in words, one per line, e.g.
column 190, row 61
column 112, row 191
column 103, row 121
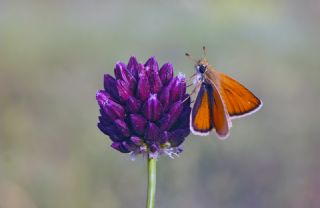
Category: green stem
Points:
column 152, row 169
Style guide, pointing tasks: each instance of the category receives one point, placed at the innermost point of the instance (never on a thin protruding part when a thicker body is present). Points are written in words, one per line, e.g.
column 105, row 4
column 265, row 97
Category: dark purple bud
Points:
column 111, row 131
column 129, row 145
column 138, row 123
column 175, row 111
column 177, row 88
column 165, row 98
column 136, row 140
column 164, row 137
column 123, row 74
column 120, row 147
column 112, row 109
column 184, row 118
column 105, row 120
column 165, row 122
column 133, row 105
column 122, row 127
column 141, row 70
column 143, row 89
column 152, row 70
column 155, row 82
column 151, row 65
column 152, row 109
column 110, row 86
column 133, row 66
column 166, row 73
column 123, row 90
column 177, row 136
column 120, row 71
column 101, row 97
column 152, row 133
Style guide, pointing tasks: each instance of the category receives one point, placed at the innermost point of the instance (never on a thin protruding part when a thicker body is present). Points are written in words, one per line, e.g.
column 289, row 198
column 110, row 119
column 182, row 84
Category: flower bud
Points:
column 143, row 89
column 152, row 133
column 166, row 73
column 133, row 66
column 152, row 109
column 110, row 86
column 138, row 123
column 133, row 105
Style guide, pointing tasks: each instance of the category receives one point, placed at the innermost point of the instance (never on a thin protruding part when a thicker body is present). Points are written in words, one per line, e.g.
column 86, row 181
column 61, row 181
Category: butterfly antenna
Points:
column 204, row 51
column 190, row 57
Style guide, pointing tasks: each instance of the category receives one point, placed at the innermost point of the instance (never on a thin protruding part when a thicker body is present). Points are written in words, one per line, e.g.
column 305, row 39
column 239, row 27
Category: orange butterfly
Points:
column 220, row 99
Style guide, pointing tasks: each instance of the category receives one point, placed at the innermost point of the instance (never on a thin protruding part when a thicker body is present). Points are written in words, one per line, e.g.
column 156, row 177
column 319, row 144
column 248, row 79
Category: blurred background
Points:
column 53, row 55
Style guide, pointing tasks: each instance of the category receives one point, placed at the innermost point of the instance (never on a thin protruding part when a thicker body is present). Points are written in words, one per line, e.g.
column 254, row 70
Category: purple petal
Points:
column 164, row 137
column 165, row 98
column 177, row 88
column 177, row 136
column 122, row 127
column 124, row 90
column 175, row 111
column 138, row 123
column 165, row 122
column 112, row 109
column 111, row 131
column 129, row 145
column 123, row 74
column 151, row 64
column 184, row 118
column 104, row 120
column 143, row 89
column 102, row 96
column 152, row 70
column 152, row 109
column 152, row 133
column 133, row 66
column 110, row 86
column 133, row 105
column 169, row 120
column 120, row 147
column 141, row 71
column 120, row 70
column 136, row 140
column 166, row 73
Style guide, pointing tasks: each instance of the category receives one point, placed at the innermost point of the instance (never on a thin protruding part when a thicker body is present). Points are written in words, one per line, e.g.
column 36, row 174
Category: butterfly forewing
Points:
column 238, row 100
column 202, row 112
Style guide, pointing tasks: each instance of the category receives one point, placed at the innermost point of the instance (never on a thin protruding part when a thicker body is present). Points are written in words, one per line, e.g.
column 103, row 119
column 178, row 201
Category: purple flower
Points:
column 144, row 109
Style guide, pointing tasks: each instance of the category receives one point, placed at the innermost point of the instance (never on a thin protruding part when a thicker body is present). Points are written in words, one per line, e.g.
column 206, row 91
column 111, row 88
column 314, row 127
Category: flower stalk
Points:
column 152, row 169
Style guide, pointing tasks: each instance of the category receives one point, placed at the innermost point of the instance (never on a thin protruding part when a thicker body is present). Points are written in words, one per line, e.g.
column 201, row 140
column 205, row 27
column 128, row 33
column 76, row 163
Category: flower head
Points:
column 144, row 109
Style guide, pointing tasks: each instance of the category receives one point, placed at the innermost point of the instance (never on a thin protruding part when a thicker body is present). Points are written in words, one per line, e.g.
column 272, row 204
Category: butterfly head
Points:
column 201, row 66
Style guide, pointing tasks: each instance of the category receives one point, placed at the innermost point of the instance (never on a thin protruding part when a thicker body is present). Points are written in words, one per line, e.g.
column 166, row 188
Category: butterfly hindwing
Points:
column 221, row 119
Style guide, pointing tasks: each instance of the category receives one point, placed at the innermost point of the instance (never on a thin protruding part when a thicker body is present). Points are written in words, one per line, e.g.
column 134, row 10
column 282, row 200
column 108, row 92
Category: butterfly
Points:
column 220, row 99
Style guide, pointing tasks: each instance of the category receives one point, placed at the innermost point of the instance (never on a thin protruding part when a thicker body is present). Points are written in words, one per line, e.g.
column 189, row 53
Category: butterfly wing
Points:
column 238, row 100
column 201, row 121
column 209, row 112
column 221, row 121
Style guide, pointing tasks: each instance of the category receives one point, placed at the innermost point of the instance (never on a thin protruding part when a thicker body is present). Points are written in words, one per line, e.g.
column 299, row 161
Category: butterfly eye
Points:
column 202, row 69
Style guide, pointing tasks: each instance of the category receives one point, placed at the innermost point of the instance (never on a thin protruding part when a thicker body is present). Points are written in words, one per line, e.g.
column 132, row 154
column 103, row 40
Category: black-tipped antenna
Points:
column 190, row 57
column 204, row 51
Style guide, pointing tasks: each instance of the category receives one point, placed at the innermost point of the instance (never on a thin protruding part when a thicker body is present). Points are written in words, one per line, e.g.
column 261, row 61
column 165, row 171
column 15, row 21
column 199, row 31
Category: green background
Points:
column 53, row 55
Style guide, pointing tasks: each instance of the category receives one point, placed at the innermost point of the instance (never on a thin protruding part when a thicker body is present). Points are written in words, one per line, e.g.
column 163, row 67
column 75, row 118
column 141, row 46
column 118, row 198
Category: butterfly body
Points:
column 220, row 98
